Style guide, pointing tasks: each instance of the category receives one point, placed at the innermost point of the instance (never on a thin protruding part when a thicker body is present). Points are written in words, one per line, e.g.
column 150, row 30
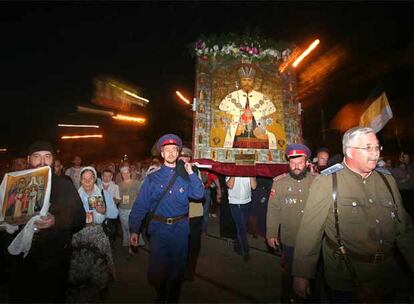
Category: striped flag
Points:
column 377, row 115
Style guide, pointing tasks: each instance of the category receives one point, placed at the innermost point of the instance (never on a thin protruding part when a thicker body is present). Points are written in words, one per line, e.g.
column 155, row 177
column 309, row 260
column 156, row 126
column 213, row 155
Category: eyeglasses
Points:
column 369, row 148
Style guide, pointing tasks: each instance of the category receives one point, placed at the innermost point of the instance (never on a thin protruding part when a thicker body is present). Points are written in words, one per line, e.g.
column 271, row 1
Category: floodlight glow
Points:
column 182, row 97
column 306, row 52
column 77, row 126
column 3, row 149
column 81, row 136
column 129, row 118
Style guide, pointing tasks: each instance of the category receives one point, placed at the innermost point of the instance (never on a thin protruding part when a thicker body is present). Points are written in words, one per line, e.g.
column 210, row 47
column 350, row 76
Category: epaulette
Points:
column 153, row 171
column 279, row 177
column 383, row 170
column 332, row 169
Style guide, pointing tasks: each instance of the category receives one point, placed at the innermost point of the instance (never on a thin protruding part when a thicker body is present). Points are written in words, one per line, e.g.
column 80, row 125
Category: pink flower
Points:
column 200, row 44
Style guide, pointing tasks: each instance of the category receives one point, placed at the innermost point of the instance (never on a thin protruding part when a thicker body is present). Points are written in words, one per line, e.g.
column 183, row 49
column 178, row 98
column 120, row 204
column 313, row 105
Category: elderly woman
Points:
column 91, row 268
column 128, row 191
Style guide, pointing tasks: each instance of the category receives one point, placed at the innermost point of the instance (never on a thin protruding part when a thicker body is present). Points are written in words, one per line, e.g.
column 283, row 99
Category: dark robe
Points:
column 42, row 275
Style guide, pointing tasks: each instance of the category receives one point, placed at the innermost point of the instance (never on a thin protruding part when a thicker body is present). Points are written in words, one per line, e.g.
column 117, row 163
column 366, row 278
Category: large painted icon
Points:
column 245, row 104
column 251, row 120
column 23, row 194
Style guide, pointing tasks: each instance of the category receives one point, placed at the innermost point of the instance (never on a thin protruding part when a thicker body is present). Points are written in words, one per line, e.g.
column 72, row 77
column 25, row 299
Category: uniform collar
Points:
column 166, row 169
column 355, row 173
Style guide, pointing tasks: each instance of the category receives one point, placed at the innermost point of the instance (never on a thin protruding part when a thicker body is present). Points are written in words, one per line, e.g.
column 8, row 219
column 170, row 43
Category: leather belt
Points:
column 169, row 220
column 377, row 258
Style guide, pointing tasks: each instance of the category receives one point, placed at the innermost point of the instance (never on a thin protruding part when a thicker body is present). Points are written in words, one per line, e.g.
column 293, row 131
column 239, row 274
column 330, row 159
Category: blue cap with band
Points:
column 169, row 139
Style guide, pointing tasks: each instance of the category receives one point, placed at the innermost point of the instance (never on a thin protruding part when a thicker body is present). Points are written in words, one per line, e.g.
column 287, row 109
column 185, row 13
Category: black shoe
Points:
column 246, row 258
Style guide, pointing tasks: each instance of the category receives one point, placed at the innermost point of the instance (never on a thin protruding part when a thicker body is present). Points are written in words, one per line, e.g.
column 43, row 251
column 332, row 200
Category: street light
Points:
column 82, row 136
column 306, row 53
column 129, row 118
column 77, row 126
column 181, row 96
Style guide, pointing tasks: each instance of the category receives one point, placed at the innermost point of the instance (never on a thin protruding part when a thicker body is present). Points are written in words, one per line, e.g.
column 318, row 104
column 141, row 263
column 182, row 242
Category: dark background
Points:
column 51, row 51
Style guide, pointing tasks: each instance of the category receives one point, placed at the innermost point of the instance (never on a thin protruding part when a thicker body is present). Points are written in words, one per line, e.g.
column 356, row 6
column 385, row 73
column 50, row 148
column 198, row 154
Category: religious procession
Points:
column 236, row 203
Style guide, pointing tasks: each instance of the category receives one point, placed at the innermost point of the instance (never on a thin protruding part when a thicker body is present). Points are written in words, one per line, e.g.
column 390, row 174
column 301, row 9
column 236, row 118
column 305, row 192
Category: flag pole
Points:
column 396, row 136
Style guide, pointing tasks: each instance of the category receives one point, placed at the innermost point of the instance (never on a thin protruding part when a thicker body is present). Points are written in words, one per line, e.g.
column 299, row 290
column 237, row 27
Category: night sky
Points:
column 50, row 53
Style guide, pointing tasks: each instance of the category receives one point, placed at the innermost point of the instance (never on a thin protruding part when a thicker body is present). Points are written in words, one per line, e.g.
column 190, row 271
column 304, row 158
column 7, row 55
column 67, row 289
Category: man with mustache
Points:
column 165, row 196
column 285, row 211
column 249, row 110
column 41, row 276
column 356, row 215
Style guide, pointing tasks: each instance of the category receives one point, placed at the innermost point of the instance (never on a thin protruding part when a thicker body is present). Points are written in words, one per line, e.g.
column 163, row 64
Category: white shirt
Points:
column 113, row 189
column 241, row 193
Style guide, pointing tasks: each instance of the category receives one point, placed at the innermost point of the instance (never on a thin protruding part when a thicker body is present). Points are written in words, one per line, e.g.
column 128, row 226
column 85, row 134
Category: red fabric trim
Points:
column 296, row 152
column 169, row 142
column 251, row 144
column 230, row 169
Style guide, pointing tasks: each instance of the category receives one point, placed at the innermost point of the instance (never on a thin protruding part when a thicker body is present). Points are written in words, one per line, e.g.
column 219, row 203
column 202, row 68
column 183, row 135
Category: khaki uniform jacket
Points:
column 367, row 222
column 286, row 208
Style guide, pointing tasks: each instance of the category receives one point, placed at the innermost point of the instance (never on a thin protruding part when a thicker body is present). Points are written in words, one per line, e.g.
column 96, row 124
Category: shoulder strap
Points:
column 335, row 207
column 341, row 247
column 103, row 197
column 392, row 194
column 170, row 184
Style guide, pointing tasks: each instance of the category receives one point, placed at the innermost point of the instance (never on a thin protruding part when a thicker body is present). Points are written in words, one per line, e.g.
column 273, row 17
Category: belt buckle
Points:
column 169, row 221
column 378, row 258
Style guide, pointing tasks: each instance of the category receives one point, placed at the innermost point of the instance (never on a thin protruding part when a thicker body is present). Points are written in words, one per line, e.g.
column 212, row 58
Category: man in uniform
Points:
column 167, row 190
column 42, row 275
column 285, row 209
column 358, row 247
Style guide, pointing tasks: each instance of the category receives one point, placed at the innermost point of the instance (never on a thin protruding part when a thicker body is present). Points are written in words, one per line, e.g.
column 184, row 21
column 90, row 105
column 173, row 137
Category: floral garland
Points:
column 240, row 46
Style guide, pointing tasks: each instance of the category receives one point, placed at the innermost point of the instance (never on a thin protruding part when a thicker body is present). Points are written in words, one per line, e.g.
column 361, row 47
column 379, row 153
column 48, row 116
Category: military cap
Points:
column 187, row 152
column 296, row 150
column 40, row 145
column 169, row 139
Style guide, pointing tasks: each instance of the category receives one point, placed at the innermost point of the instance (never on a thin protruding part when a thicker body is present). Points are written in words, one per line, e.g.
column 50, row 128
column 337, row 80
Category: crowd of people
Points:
column 337, row 221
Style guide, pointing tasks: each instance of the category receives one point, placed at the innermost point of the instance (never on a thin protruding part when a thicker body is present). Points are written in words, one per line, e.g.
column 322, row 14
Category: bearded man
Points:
column 285, row 210
column 248, row 109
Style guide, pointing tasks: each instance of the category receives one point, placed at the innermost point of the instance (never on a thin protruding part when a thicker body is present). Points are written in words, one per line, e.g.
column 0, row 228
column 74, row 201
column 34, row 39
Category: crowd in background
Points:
column 119, row 182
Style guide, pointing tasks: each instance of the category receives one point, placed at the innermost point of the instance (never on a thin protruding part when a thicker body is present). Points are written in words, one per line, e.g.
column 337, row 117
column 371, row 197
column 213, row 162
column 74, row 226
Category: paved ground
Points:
column 221, row 275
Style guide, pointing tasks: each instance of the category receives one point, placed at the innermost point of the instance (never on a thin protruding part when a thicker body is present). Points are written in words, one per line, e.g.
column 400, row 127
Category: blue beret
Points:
column 169, row 139
column 294, row 150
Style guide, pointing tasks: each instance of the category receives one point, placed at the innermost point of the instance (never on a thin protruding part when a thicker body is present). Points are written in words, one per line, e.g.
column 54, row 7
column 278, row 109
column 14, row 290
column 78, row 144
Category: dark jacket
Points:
column 70, row 217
